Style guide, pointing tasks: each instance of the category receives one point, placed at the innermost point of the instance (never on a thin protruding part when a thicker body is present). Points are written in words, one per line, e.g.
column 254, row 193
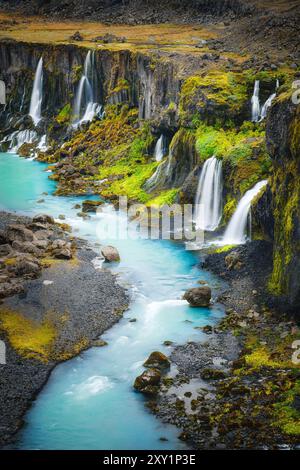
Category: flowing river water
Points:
column 89, row 402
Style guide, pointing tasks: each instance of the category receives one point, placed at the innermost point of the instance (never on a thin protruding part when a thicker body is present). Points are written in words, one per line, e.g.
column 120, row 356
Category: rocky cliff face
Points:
column 283, row 140
column 121, row 77
column 205, row 113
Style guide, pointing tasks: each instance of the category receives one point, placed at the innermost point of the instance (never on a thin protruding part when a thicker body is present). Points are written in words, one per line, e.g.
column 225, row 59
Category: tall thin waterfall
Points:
column 235, row 233
column 85, row 109
column 35, row 110
column 268, row 103
column 208, row 202
column 159, row 149
column 255, row 102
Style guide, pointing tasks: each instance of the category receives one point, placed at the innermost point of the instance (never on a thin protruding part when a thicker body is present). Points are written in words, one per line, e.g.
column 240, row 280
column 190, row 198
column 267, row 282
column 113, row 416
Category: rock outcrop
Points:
column 283, row 141
column 198, row 296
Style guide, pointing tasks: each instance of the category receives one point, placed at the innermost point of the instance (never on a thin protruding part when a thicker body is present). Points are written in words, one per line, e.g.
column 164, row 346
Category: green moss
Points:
column 224, row 249
column 64, row 115
column 224, row 92
column 286, row 193
column 244, row 156
column 165, row 198
column 28, row 338
column 286, row 416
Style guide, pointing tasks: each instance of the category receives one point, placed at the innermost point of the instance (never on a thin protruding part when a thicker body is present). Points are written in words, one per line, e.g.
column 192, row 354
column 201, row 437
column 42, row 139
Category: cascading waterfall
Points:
column 159, row 149
column 255, row 102
column 85, row 108
column 235, row 233
column 35, row 110
column 18, row 138
column 208, row 201
column 268, row 103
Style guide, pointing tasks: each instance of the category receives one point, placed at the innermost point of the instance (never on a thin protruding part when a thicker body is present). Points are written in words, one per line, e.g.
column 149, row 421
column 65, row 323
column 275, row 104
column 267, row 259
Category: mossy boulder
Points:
column 216, row 96
column 157, row 360
column 91, row 206
column 198, row 296
column 148, row 382
column 110, row 254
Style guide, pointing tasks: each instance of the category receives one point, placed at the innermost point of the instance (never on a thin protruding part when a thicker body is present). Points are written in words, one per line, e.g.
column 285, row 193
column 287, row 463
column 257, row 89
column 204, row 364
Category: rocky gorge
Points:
column 106, row 103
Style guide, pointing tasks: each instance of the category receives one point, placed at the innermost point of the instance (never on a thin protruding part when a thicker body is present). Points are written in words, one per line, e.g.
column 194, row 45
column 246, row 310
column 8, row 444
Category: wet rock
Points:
column 99, row 343
column 207, row 329
column 91, row 206
column 62, row 217
column 43, row 219
column 83, row 215
column 148, row 382
column 198, row 296
column 157, row 360
column 18, row 233
column 110, row 253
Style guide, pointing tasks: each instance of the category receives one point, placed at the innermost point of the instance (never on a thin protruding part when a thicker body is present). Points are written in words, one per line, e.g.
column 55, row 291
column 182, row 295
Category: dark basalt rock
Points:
column 91, row 206
column 198, row 296
column 157, row 360
column 148, row 381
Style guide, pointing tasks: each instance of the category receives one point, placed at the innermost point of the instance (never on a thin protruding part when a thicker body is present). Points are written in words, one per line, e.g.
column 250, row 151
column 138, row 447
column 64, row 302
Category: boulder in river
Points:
column 110, row 253
column 91, row 206
column 198, row 296
column 148, row 381
column 157, row 360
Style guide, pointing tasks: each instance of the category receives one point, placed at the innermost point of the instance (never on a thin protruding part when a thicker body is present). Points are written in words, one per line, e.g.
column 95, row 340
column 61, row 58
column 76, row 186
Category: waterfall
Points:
column 85, row 108
column 159, row 149
column 255, row 102
column 208, row 201
column 235, row 233
column 37, row 94
column 18, row 138
column 268, row 103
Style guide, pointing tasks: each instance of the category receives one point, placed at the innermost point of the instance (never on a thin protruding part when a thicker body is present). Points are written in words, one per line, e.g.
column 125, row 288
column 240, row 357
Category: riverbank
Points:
column 240, row 388
column 58, row 310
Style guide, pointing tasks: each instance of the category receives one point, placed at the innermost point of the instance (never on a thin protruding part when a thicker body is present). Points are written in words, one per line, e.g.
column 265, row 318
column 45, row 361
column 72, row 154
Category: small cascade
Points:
column 208, row 201
column 268, row 103
column 255, row 102
column 159, row 149
column 85, row 108
column 35, row 110
column 42, row 145
column 19, row 138
column 235, row 233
